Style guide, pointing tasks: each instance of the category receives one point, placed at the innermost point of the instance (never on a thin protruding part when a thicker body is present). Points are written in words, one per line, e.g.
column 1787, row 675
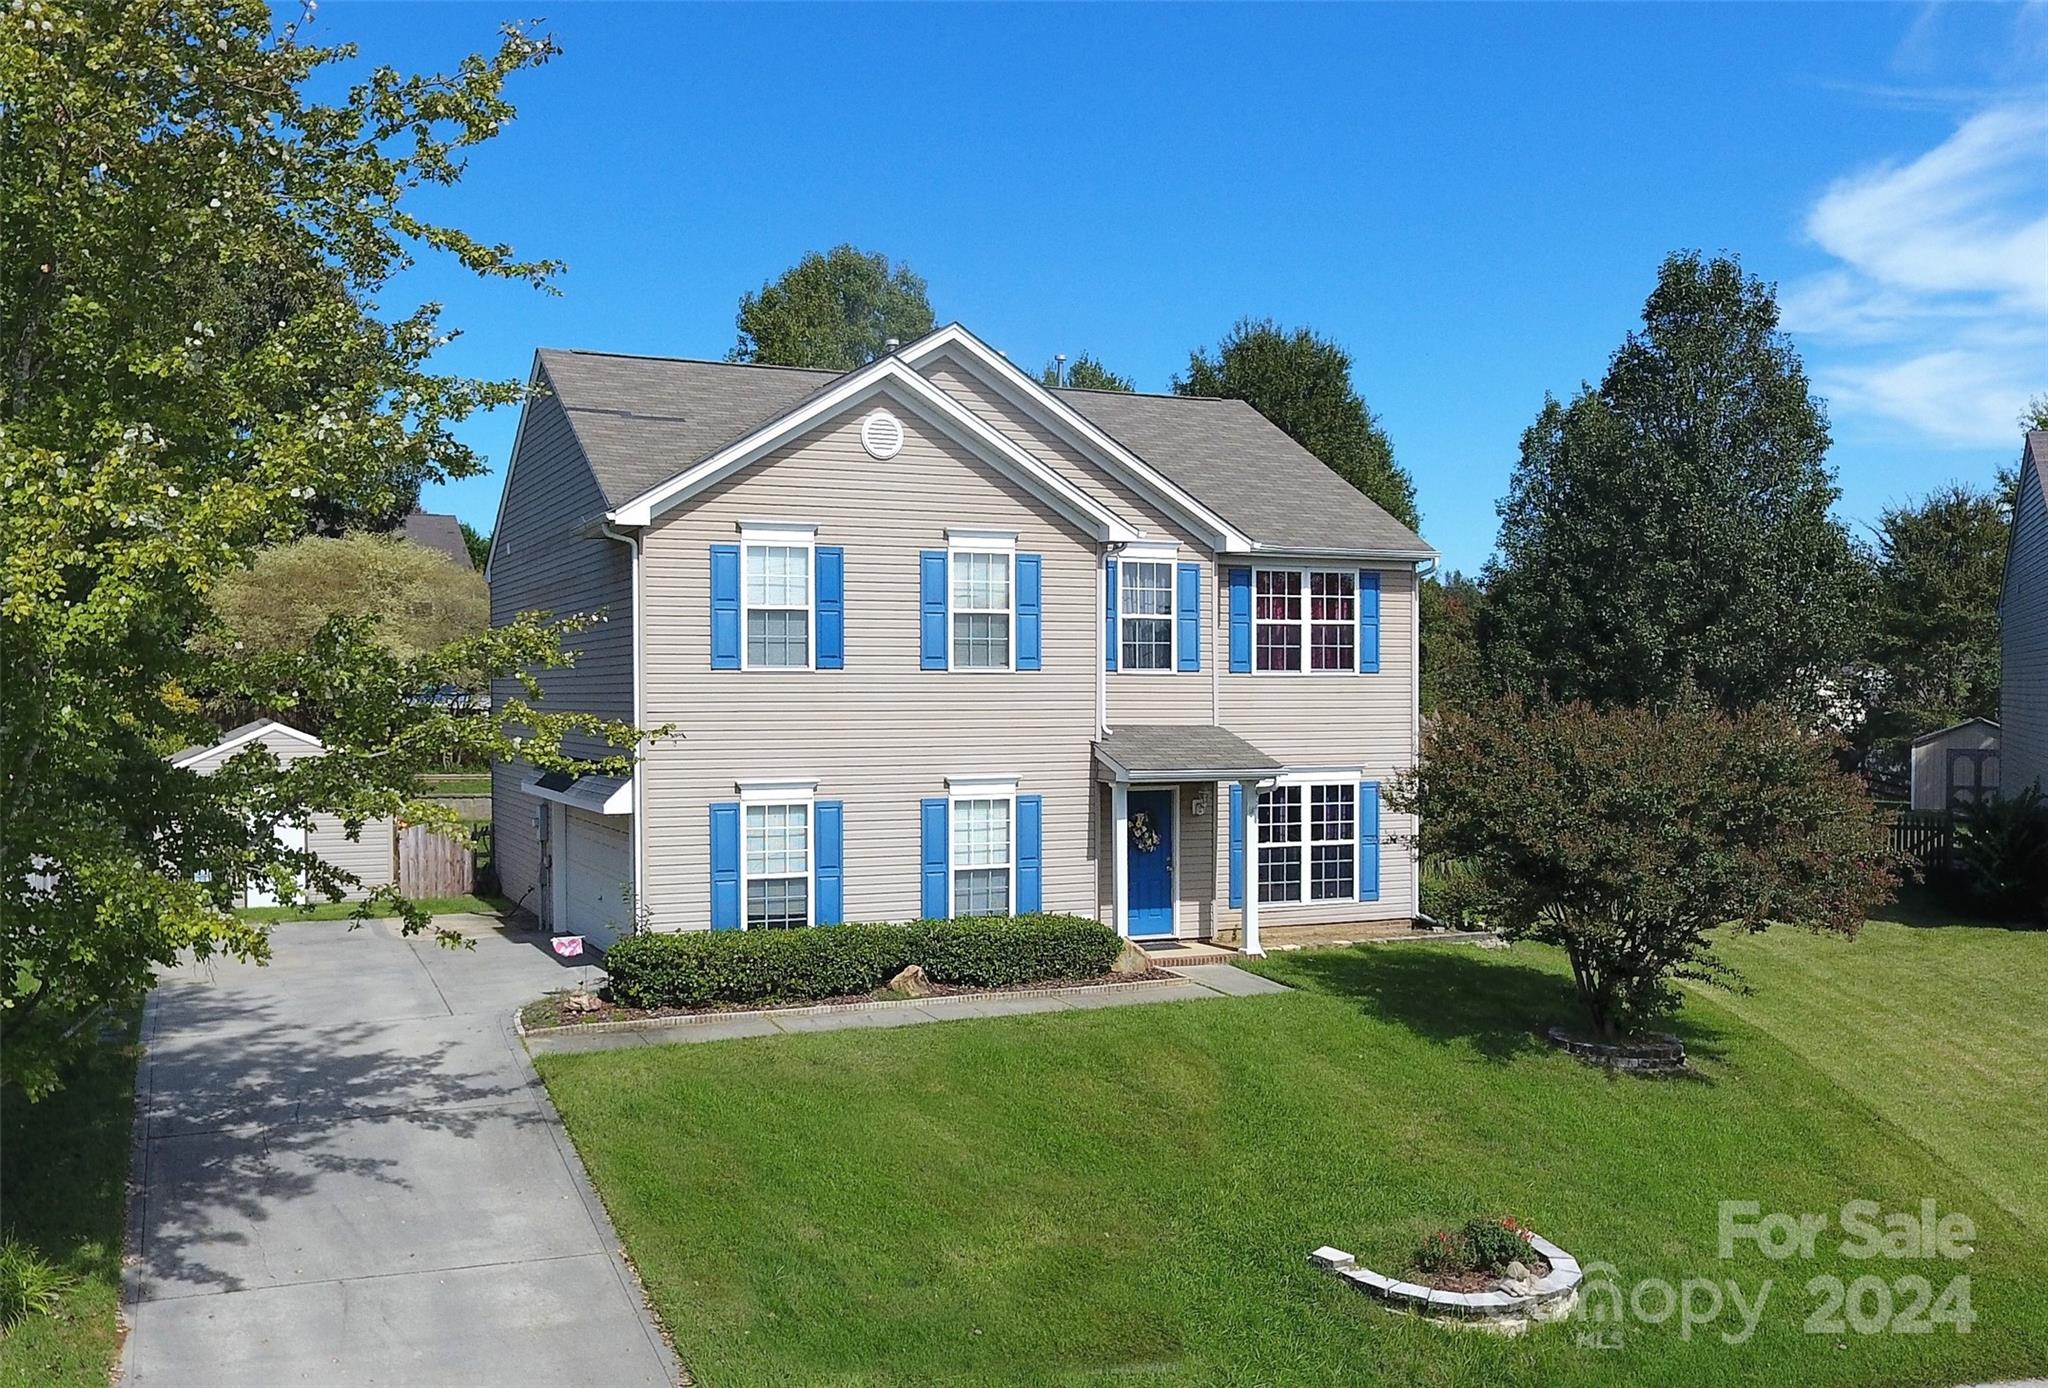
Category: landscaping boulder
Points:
column 1131, row 960
column 913, row 982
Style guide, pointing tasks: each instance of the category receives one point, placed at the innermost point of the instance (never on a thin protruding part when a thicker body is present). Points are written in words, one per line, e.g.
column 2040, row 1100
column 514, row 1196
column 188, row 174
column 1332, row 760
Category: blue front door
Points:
column 1150, row 851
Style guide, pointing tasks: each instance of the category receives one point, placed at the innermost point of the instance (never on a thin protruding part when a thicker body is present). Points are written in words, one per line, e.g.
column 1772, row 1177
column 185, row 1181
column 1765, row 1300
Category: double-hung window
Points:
column 1305, row 619
column 983, row 609
column 776, row 865
column 1145, row 615
column 984, row 855
column 777, row 596
column 1308, row 842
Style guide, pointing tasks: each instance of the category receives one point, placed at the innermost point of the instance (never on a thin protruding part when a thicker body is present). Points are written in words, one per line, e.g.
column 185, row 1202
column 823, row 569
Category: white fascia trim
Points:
column 932, row 403
column 1023, row 391
column 970, row 537
column 519, row 433
column 980, row 787
column 1318, row 776
column 269, row 725
column 1284, row 556
column 777, row 790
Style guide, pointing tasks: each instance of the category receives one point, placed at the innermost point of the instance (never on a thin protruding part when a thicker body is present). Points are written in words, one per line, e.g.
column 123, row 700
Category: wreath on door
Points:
column 1144, row 837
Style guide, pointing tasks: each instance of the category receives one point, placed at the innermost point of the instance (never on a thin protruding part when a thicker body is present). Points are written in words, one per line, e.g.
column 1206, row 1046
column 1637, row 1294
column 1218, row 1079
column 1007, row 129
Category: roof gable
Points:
column 239, row 737
column 2034, row 476
column 886, row 377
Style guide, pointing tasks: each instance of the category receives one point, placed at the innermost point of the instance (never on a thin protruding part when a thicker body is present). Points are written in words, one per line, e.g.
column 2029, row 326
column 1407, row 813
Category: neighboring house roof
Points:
column 590, row 790
column 235, row 737
column 444, row 533
column 1954, row 728
column 1162, row 752
column 643, row 421
column 2033, row 460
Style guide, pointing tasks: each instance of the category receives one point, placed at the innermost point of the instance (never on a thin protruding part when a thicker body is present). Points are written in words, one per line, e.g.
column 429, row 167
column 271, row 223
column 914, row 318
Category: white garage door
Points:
column 600, row 862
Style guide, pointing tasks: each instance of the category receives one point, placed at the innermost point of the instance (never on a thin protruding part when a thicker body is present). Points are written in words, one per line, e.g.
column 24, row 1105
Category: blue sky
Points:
column 1472, row 199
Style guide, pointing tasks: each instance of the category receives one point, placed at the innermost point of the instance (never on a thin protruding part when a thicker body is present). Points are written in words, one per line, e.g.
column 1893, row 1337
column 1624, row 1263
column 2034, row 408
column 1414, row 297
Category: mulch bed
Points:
column 1538, row 1265
column 547, row 1012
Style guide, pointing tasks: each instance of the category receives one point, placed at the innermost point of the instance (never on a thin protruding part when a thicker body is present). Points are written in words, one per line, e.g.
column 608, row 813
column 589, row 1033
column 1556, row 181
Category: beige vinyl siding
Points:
column 2023, row 751
column 1148, row 697
column 1333, row 720
column 371, row 857
column 882, row 734
column 549, row 556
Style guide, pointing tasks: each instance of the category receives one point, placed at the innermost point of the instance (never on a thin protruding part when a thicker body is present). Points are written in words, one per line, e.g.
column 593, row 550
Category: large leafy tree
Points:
column 1453, row 674
column 1302, row 382
column 1933, row 622
column 1672, row 526
column 1084, row 373
column 419, row 598
column 1629, row 836
column 837, row 310
column 167, row 184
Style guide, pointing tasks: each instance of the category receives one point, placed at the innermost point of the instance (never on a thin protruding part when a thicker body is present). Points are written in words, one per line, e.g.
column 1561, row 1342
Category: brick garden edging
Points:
column 1663, row 1055
column 1504, row 1313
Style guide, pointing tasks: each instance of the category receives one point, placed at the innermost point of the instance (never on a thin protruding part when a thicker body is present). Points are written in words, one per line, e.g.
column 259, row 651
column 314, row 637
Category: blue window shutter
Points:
column 1368, row 622
column 1240, row 621
column 725, row 866
column 1187, row 612
column 1369, row 841
column 831, row 607
column 1030, row 853
column 725, row 607
column 1109, row 614
column 937, row 899
column 1030, row 614
column 830, row 861
column 931, row 607
column 1236, row 844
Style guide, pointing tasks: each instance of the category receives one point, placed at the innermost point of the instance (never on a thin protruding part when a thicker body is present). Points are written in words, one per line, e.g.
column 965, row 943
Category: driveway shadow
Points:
column 254, row 1114
column 1454, row 994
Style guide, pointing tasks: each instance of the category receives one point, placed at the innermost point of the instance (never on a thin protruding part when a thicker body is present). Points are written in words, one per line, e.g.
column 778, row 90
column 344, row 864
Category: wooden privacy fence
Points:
column 1924, row 836
column 431, row 864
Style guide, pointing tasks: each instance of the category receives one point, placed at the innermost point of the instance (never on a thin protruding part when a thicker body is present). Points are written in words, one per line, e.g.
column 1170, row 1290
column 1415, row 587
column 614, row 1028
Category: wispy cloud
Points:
column 1936, row 315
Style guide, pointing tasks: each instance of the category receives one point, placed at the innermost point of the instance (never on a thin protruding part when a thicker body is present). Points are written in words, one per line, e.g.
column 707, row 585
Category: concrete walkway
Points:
column 347, row 1173
column 1190, row 983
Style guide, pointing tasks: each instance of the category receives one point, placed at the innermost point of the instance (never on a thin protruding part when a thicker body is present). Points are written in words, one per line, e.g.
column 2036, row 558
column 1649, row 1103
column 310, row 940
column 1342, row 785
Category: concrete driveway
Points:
column 348, row 1174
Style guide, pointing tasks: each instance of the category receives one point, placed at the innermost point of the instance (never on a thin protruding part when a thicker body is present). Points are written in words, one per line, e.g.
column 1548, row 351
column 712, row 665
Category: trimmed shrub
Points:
column 709, row 968
column 1495, row 1243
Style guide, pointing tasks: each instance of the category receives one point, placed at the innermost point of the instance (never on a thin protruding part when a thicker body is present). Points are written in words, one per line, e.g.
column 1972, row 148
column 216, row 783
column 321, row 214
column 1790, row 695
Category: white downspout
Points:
column 632, row 542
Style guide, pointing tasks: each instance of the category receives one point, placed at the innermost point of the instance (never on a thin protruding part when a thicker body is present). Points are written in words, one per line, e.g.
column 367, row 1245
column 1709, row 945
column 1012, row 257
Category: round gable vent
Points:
column 881, row 434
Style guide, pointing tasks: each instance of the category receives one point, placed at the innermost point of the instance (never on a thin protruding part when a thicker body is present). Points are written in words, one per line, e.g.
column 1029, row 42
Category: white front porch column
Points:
column 1119, row 847
column 1248, row 833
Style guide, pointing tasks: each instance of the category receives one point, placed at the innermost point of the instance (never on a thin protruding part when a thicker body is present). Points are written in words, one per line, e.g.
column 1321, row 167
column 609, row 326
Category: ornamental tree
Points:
column 1628, row 837
column 835, row 310
column 195, row 364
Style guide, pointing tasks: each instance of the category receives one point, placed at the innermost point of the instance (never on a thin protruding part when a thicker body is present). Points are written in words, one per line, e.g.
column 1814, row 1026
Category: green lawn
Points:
column 345, row 910
column 63, row 1169
column 1127, row 1196
column 457, row 783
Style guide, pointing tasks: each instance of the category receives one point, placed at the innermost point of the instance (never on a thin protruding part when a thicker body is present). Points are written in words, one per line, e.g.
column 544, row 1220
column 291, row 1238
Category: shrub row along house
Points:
column 938, row 641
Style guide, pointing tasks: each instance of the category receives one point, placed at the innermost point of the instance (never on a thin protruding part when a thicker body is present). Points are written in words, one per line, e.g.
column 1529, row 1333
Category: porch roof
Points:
column 1180, row 752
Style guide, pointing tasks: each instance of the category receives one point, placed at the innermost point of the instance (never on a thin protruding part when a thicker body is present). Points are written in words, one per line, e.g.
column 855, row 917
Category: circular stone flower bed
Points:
column 1662, row 1054
column 1545, row 1287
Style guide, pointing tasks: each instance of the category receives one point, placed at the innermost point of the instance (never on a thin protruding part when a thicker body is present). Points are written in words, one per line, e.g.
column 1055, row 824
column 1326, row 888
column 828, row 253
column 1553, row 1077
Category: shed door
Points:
column 597, row 862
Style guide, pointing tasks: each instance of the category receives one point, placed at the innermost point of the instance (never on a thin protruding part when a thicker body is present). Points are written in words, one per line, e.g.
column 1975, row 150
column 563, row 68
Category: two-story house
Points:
column 936, row 640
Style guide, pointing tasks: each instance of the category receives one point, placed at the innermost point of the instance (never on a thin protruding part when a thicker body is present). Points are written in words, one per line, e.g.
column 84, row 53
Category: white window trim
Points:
column 964, row 788
column 971, row 541
column 779, row 790
column 762, row 800
column 1168, row 555
column 1305, row 622
column 1303, row 780
column 780, row 535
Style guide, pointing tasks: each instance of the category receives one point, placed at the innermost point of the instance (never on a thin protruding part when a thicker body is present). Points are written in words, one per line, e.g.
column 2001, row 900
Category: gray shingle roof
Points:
column 1165, row 751
column 1248, row 470
column 444, row 533
column 642, row 420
